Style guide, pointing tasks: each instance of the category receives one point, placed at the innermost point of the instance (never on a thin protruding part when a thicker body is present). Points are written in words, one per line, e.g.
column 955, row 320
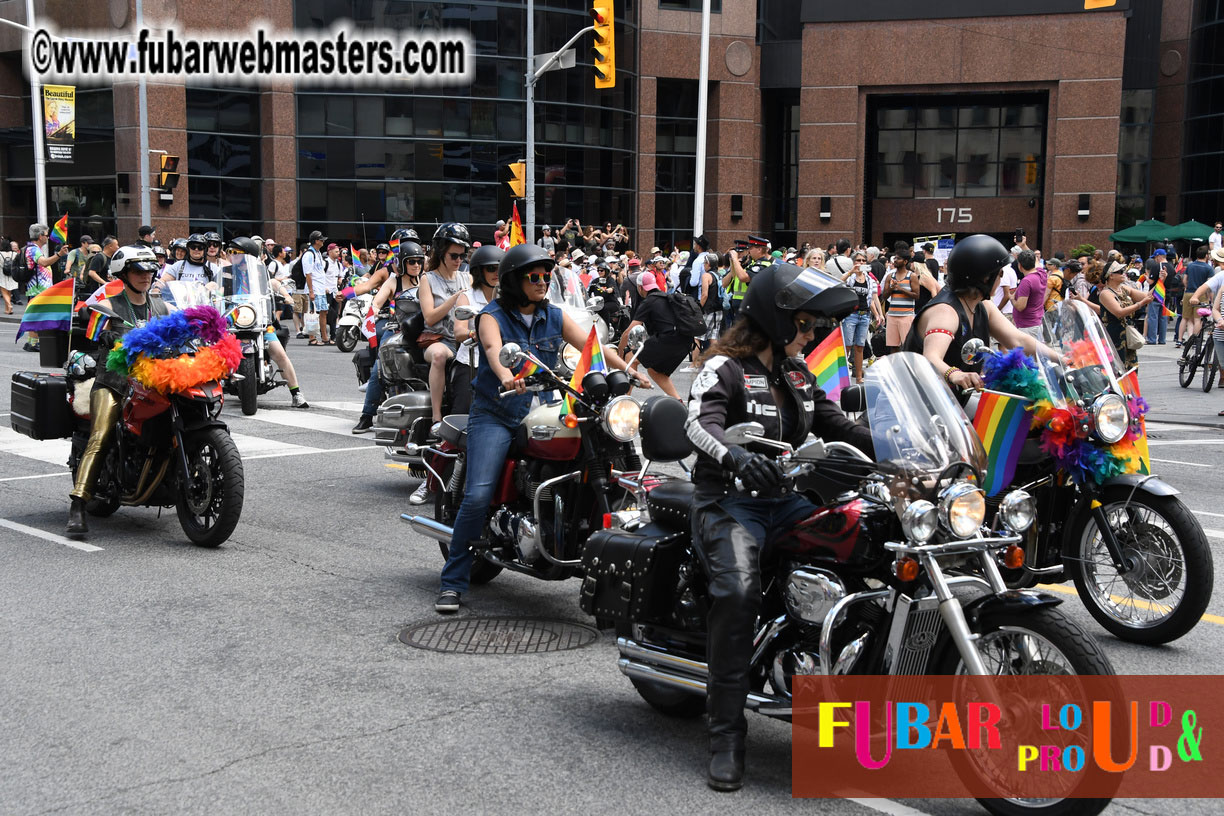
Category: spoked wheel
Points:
column 210, row 502
column 1168, row 584
column 346, row 338
column 1187, row 364
column 446, row 508
column 1209, row 367
column 1040, row 641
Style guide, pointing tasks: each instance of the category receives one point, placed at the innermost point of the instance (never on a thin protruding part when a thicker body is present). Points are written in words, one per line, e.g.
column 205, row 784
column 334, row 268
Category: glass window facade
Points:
column 1203, row 162
column 370, row 161
column 956, row 146
column 223, row 160
column 1134, row 156
column 675, row 162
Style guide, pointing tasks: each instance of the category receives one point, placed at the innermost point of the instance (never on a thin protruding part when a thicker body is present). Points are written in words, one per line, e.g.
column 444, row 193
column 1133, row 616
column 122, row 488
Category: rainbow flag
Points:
column 516, row 228
column 591, row 360
column 1158, row 292
column 394, row 244
column 358, row 266
column 828, row 362
column 1130, row 387
column 1002, row 424
column 60, row 231
column 49, row 310
column 528, row 368
column 96, row 325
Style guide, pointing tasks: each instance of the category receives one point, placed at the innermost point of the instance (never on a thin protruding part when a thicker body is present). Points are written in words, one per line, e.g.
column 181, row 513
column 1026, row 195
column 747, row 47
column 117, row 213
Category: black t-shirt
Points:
column 98, row 264
column 932, row 266
column 655, row 313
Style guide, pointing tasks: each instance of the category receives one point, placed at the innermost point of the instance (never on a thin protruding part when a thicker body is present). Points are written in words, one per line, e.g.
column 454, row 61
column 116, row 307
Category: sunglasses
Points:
column 539, row 277
column 456, row 256
column 805, row 326
column 413, row 261
column 214, row 243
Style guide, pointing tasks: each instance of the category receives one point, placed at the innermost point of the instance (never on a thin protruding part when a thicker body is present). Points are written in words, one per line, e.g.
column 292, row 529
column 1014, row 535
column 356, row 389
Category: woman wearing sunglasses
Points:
column 519, row 314
column 441, row 287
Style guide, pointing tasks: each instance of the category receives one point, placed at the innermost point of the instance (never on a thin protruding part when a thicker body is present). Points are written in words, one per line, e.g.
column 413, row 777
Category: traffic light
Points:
column 604, row 51
column 518, row 183
column 168, row 178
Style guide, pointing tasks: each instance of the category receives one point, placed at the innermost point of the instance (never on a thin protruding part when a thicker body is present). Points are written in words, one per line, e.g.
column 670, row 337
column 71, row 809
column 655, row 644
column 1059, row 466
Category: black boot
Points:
column 728, row 728
column 77, row 527
column 726, row 770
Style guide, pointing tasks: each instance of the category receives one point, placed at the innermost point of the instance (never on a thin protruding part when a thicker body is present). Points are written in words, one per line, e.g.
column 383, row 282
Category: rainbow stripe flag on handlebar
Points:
column 1002, row 423
column 591, row 360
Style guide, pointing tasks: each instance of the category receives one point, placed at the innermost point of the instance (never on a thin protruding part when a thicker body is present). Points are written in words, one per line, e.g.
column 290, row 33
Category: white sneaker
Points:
column 421, row 494
column 364, row 386
column 688, row 370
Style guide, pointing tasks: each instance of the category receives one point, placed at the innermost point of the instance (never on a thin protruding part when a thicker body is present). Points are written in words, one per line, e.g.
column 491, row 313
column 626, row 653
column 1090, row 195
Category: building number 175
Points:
column 954, row 215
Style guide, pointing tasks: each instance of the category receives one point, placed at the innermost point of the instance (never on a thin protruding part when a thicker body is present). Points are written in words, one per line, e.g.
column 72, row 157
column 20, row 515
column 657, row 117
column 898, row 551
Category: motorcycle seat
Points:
column 454, row 430
column 671, row 503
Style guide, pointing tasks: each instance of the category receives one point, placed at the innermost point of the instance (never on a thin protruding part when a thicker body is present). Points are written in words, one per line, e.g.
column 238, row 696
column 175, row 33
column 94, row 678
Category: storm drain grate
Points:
column 498, row 636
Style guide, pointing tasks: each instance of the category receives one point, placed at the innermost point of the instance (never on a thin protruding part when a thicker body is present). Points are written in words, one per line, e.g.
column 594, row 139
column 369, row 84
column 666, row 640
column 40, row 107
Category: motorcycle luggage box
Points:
column 630, row 576
column 402, row 410
column 39, row 405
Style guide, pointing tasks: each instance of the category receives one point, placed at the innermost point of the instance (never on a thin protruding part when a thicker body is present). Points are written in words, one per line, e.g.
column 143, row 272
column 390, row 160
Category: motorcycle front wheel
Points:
column 446, row 507
column 210, row 502
column 1169, row 581
column 248, row 387
column 1040, row 641
column 346, row 338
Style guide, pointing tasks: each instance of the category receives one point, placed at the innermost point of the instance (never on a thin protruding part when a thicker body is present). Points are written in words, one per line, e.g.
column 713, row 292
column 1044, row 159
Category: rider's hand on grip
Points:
column 757, row 471
column 513, row 386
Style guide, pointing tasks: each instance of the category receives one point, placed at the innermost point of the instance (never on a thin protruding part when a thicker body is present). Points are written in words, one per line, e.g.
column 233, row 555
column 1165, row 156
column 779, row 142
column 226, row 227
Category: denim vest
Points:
column 543, row 339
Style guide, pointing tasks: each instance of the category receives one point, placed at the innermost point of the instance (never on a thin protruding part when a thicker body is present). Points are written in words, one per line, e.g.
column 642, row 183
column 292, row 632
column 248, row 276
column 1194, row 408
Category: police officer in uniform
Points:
column 740, row 274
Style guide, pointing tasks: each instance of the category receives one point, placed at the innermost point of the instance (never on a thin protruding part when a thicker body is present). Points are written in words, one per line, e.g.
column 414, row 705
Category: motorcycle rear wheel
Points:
column 248, row 388
column 445, row 510
column 1187, row 364
column 209, row 506
column 346, row 338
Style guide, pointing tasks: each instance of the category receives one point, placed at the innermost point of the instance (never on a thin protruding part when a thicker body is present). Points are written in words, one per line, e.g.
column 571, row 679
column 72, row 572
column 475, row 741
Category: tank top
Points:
column 980, row 330
column 441, row 289
column 863, row 290
column 901, row 301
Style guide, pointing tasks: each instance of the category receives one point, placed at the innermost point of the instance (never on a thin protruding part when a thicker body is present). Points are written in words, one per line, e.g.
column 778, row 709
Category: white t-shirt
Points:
column 325, row 279
column 1215, row 282
column 1215, row 239
column 1008, row 279
column 190, row 272
column 278, row 270
column 477, row 301
column 312, row 268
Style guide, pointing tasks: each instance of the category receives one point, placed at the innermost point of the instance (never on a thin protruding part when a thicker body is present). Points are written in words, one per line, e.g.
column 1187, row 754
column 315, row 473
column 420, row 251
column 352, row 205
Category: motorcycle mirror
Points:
column 594, row 303
column 510, row 355
column 972, row 349
column 811, row 451
column 637, row 336
column 464, row 313
column 744, row 432
column 853, row 399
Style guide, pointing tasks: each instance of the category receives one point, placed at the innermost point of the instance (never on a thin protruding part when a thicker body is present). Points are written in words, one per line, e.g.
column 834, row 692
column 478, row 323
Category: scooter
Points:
column 348, row 325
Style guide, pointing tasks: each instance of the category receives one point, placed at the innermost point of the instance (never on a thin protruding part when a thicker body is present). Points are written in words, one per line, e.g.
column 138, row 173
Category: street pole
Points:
column 143, row 114
column 529, row 167
column 36, row 120
column 702, row 112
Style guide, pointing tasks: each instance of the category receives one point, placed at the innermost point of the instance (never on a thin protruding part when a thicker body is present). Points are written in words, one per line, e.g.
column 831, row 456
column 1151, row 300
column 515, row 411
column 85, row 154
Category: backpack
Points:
column 690, row 322
column 22, row 272
column 1053, row 291
column 297, row 275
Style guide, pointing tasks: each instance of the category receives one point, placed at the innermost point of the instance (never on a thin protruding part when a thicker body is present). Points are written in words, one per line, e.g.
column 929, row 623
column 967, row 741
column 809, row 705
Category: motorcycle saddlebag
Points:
column 402, row 410
column 630, row 576
column 40, row 408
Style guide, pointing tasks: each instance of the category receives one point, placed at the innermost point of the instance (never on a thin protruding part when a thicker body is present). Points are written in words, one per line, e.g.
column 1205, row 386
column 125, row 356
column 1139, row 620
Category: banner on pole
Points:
column 59, row 119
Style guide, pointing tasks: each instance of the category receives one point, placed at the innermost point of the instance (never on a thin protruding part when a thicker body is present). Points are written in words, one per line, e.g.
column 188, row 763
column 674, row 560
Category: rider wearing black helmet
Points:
column 195, row 267
column 178, row 250
column 484, row 267
column 963, row 310
column 214, row 242
column 753, row 374
column 441, row 287
column 520, row 314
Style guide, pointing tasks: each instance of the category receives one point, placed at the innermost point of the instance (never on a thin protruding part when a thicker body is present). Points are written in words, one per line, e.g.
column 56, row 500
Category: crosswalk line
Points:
column 254, row 445
column 51, row 451
column 303, row 420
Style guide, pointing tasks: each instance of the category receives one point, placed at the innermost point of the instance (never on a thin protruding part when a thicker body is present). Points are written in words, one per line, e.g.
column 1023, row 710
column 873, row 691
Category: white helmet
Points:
column 125, row 257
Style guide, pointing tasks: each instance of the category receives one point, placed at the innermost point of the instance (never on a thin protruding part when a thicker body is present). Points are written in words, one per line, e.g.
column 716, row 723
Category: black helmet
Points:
column 178, row 243
column 247, row 246
column 383, row 248
column 485, row 255
column 779, row 291
column 411, row 249
column 196, row 241
column 405, row 234
column 974, row 263
column 450, row 233
column 519, row 259
column 212, row 237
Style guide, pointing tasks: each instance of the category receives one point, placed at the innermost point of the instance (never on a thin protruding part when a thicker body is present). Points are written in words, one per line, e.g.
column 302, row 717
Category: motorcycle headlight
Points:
column 570, row 357
column 962, row 508
column 919, row 521
column 1112, row 418
column 1017, row 511
column 621, row 418
column 244, row 317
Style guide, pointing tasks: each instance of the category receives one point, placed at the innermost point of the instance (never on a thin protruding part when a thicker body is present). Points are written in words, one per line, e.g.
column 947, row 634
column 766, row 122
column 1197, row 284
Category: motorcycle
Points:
column 559, row 481
column 348, row 325
column 565, row 290
column 1138, row 557
column 861, row 587
column 248, row 301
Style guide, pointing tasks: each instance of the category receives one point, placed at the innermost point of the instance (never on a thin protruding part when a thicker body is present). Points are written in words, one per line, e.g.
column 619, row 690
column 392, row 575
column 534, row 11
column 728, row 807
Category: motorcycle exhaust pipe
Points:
column 648, row 654
column 773, row 706
column 429, row 527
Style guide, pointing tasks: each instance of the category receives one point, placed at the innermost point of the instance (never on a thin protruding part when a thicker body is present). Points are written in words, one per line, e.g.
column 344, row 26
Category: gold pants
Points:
column 104, row 413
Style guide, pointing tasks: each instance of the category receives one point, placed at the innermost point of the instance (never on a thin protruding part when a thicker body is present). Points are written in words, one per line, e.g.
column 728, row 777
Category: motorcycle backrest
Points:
column 662, row 430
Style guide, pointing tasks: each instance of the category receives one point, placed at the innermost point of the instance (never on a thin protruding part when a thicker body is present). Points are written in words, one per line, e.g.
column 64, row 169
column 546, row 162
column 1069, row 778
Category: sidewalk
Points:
column 1168, row 400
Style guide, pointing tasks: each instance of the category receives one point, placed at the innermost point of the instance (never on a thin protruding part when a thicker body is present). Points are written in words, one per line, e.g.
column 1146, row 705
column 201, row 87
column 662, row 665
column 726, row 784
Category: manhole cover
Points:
column 499, row 636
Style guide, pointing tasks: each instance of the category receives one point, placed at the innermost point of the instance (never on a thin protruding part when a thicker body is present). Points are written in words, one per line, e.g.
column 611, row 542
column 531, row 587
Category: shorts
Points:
column 320, row 302
column 1032, row 331
column 1187, row 308
column 665, row 354
column 855, row 328
column 713, row 321
column 897, row 328
column 301, row 302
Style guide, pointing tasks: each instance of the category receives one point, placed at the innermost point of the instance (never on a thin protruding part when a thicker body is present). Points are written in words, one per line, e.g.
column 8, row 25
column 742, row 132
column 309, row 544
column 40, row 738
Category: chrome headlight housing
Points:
column 1111, row 418
column 962, row 509
column 244, row 317
column 1017, row 511
column 919, row 521
column 570, row 357
column 622, row 417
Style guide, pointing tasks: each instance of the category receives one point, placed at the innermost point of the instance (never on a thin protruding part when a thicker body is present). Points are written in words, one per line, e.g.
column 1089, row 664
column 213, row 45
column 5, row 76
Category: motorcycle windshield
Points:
column 917, row 428
column 565, row 288
column 179, row 295
column 1089, row 364
column 245, row 282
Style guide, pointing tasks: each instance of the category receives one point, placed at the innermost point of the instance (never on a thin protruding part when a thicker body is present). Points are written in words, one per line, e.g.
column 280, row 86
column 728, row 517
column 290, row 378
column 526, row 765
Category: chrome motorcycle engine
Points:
column 810, row 593
column 519, row 530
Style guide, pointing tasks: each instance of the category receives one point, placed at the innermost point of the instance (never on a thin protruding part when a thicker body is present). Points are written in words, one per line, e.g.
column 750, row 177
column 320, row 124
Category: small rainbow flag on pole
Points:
column 358, row 266
column 1002, row 424
column 394, row 244
column 49, row 310
column 591, row 360
column 95, row 326
column 528, row 368
column 1158, row 292
column 828, row 362
column 60, row 231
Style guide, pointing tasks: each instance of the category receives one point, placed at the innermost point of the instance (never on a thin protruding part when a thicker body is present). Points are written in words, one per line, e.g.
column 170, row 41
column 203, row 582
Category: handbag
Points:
column 1132, row 339
column 427, row 338
column 310, row 322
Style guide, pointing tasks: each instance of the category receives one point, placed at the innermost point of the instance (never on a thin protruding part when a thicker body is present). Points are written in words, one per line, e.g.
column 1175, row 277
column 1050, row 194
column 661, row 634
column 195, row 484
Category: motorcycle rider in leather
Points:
column 135, row 266
column 753, row 374
column 520, row 314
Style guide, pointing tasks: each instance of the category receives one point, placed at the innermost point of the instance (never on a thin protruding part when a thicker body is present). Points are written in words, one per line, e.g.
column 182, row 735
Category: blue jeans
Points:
column 1156, row 325
column 374, row 390
column 488, row 444
column 855, row 328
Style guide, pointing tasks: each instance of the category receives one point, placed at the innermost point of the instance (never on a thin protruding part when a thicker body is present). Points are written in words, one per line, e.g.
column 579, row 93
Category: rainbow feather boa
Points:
column 152, row 354
column 1084, row 460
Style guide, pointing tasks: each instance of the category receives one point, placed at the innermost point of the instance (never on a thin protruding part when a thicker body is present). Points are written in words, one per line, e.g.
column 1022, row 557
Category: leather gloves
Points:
column 757, row 471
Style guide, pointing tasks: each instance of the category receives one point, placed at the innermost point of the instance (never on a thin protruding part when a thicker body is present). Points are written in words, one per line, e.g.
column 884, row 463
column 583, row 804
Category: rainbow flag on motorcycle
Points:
column 828, row 362
column 591, row 360
column 1130, row 387
column 1158, row 292
column 49, row 310
column 1002, row 423
column 529, row 367
column 95, row 326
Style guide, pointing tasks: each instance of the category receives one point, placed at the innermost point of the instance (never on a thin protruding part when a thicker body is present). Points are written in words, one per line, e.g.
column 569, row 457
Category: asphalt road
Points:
column 149, row 676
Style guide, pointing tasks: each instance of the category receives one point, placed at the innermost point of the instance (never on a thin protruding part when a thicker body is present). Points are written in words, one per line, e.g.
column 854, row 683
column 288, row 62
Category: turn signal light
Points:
column 1013, row 557
column 570, row 421
column 906, row 569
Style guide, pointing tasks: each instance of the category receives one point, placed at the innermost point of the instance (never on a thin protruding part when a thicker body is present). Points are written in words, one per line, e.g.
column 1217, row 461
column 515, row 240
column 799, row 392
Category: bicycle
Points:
column 1195, row 351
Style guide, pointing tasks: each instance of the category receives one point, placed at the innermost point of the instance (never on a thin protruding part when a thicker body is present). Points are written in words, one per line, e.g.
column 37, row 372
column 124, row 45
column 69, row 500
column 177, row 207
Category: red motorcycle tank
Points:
column 547, row 436
column 144, row 404
column 849, row 533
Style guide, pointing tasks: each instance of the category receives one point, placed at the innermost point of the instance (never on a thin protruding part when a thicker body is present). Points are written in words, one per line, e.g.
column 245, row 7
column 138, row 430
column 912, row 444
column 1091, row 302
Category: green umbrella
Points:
column 1189, row 231
column 1141, row 233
